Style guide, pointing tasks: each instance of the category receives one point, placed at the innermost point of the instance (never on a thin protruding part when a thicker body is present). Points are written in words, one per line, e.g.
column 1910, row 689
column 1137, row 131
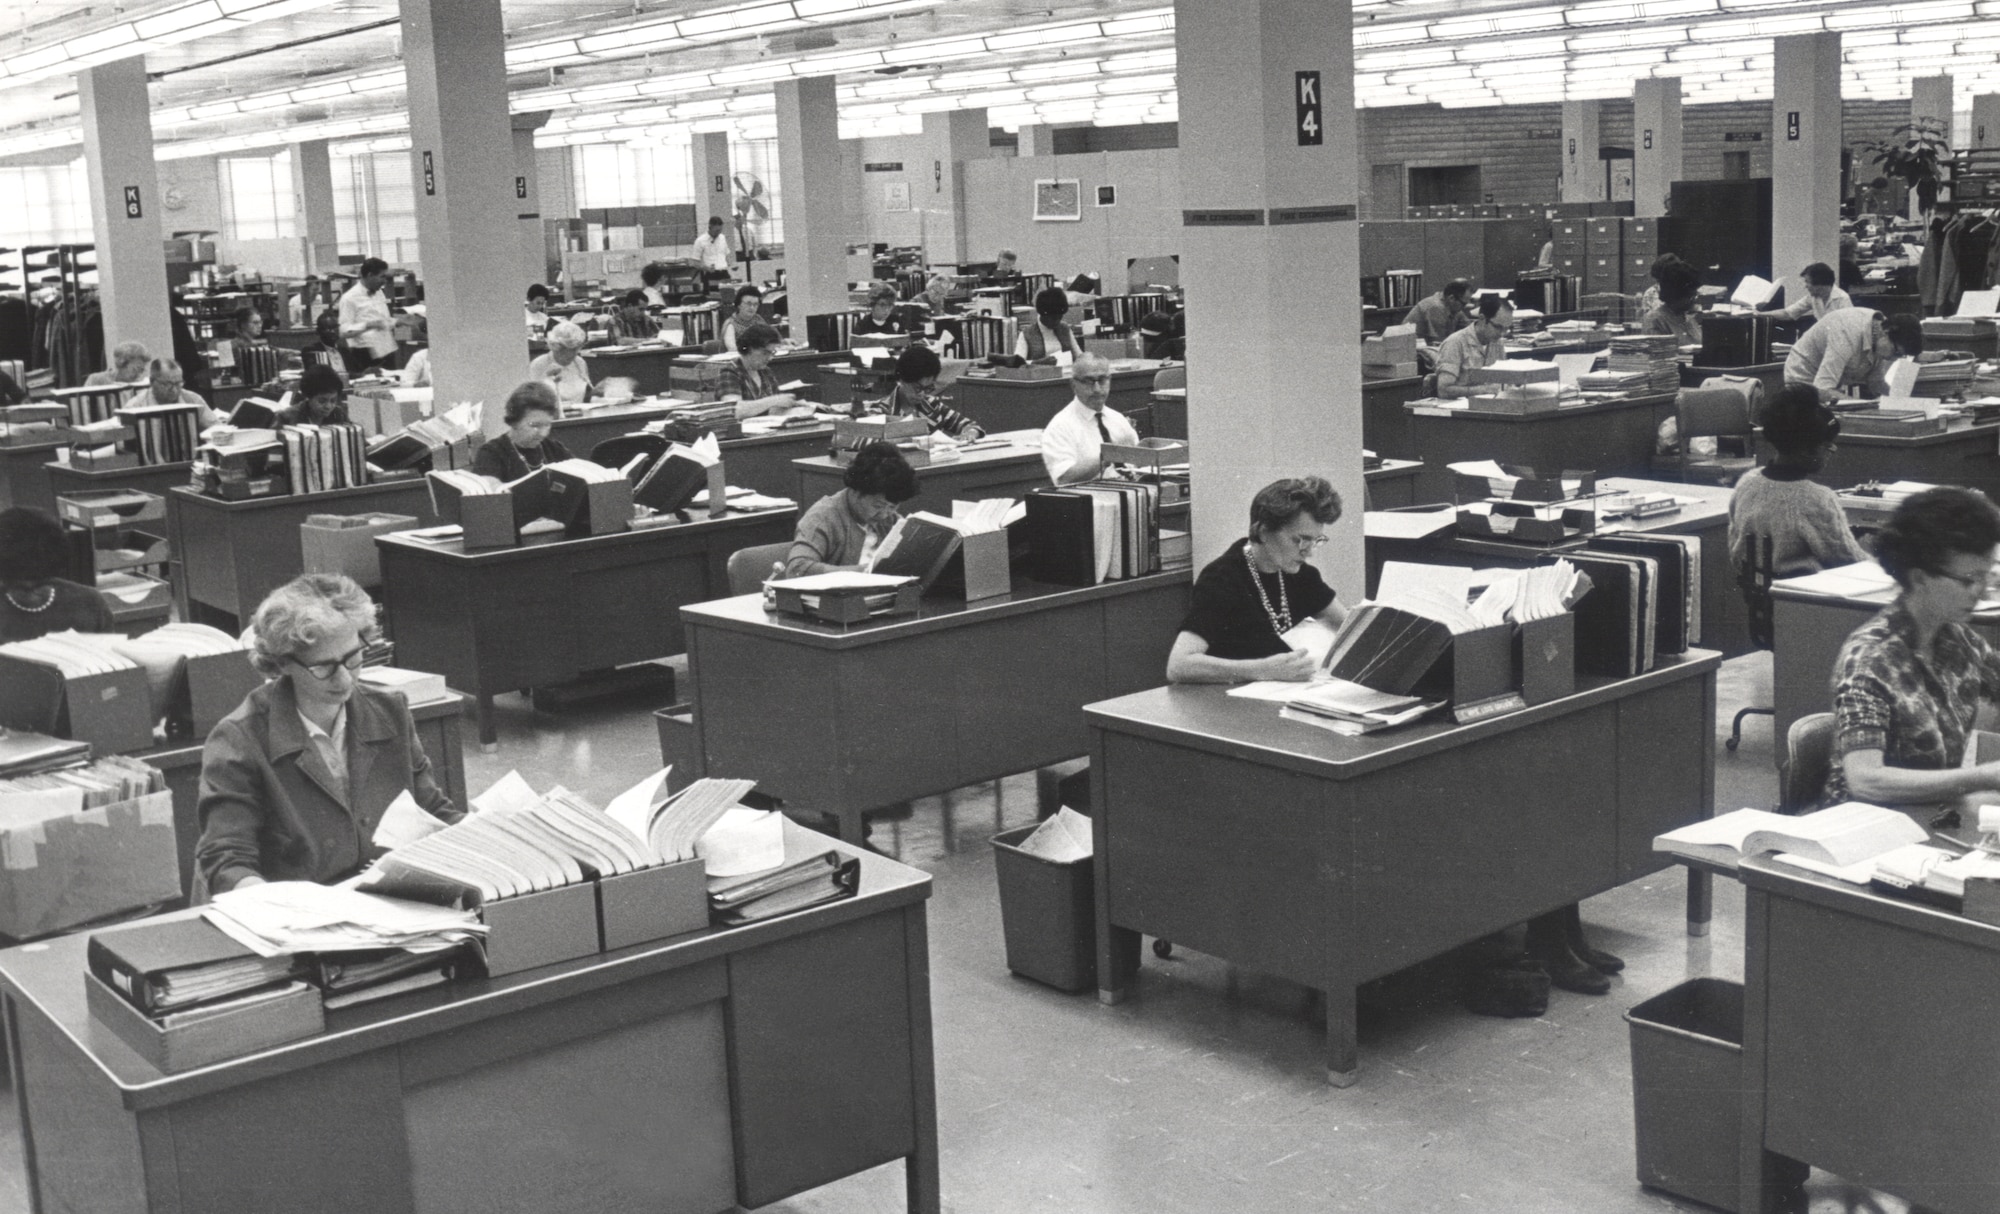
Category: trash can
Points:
column 1687, row 1090
column 1048, row 913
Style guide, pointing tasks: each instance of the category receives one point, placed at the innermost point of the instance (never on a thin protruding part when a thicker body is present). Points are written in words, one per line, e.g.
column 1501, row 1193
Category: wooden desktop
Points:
column 1330, row 861
column 845, row 721
column 508, row 619
column 721, row 1069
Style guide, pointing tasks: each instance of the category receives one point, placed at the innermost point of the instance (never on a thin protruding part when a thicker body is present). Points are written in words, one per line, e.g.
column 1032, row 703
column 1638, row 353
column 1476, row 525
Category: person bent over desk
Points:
column 1482, row 343
column 530, row 414
column 841, row 530
column 915, row 395
column 295, row 781
column 1851, row 350
column 1907, row 684
column 1247, row 599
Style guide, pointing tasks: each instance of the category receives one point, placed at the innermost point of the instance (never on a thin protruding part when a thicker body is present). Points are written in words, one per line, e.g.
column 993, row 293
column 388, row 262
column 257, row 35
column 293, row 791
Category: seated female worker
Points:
column 1246, row 599
column 840, row 531
column 295, row 781
column 564, row 366
column 881, row 316
column 1907, row 685
column 1803, row 519
column 317, row 401
column 748, row 377
column 748, row 313
column 1049, row 336
column 35, row 599
column 530, row 414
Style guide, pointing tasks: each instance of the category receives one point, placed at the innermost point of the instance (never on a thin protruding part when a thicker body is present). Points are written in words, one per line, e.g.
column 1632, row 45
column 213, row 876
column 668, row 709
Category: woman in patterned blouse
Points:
column 1908, row 683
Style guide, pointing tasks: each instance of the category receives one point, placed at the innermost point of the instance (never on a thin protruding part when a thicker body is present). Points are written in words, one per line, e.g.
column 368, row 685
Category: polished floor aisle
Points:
column 1204, row 1094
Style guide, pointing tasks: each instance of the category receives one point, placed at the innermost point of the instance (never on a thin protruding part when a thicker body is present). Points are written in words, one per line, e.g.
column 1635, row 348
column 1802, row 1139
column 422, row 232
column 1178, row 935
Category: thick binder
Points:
column 137, row 959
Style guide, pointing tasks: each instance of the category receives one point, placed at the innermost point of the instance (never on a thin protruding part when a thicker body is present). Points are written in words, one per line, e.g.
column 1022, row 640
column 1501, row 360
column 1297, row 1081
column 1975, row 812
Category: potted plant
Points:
column 1915, row 155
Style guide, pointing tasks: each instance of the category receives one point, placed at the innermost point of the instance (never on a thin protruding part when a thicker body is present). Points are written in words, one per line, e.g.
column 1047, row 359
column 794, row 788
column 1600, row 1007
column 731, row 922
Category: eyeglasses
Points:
column 323, row 671
column 1092, row 379
column 1310, row 543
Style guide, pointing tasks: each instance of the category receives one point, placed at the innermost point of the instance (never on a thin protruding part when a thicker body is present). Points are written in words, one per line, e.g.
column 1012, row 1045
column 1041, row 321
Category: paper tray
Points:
column 652, row 903
column 228, row 1035
column 540, row 928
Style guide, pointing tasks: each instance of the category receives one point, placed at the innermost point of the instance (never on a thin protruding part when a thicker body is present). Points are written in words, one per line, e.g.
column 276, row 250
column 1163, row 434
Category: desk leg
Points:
column 1767, row 1182
column 1343, row 1049
column 920, row 1167
column 1701, row 901
column 489, row 733
column 1117, row 947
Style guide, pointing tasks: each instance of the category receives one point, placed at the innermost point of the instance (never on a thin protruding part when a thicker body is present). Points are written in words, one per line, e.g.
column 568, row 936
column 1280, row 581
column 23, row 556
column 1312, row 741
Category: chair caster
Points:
column 1163, row 949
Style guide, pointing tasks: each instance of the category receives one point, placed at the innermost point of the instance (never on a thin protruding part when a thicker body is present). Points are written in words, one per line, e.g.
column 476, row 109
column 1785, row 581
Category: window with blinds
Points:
column 257, row 196
column 46, row 204
column 375, row 206
column 632, row 175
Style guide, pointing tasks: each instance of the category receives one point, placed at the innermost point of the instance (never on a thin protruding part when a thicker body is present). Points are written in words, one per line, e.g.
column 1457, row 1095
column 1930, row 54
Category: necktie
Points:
column 1103, row 431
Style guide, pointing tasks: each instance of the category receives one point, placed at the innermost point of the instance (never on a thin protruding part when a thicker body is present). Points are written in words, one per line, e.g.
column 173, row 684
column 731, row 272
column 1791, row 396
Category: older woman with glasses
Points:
column 563, row 367
column 1248, row 598
column 295, row 781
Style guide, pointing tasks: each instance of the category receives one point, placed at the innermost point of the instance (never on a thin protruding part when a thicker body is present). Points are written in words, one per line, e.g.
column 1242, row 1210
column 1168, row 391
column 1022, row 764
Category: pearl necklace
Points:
column 48, row 601
column 1281, row 619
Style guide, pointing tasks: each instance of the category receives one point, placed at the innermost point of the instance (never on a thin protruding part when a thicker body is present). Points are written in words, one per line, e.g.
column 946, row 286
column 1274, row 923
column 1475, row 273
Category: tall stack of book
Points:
column 1097, row 531
column 980, row 336
column 164, row 434
column 322, row 458
column 1126, row 311
column 697, row 322
column 1657, row 356
column 830, row 331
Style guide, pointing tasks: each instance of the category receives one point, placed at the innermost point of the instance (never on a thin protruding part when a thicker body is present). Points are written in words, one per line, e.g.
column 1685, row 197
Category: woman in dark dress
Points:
column 530, row 412
column 34, row 600
column 1258, row 590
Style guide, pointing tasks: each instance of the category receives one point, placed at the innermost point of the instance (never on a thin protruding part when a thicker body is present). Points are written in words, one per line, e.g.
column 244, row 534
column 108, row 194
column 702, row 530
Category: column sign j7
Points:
column 1312, row 115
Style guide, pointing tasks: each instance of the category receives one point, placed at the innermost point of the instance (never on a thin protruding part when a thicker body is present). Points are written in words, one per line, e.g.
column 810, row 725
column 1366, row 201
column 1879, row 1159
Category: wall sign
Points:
column 1791, row 124
column 1742, row 136
column 1107, row 195
column 1222, row 219
column 132, row 207
column 720, row 186
column 430, row 177
column 1059, row 199
column 520, row 187
column 1312, row 119
column 895, row 195
column 1338, row 212
column 1647, row 141
column 1572, row 149
column 882, row 166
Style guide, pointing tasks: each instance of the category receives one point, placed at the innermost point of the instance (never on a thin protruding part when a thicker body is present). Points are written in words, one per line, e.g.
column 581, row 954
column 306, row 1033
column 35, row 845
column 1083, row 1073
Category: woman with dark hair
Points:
column 749, row 378
column 1680, row 285
column 530, row 413
column 295, row 781
column 317, row 401
column 1248, row 598
column 34, row 599
column 841, row 531
column 881, row 316
column 1908, row 683
column 746, row 316
column 1156, row 334
column 1802, row 518
column 1049, row 334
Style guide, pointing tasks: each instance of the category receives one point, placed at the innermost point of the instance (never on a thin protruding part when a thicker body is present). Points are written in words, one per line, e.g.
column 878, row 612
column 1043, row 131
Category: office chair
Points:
column 1170, row 377
column 713, row 346
column 1711, row 413
column 1753, row 580
column 748, row 567
column 617, row 451
column 1808, row 762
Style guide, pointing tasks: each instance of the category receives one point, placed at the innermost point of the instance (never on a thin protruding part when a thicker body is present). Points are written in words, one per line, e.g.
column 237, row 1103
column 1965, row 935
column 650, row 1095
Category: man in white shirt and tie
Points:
column 1073, row 441
column 712, row 250
column 367, row 331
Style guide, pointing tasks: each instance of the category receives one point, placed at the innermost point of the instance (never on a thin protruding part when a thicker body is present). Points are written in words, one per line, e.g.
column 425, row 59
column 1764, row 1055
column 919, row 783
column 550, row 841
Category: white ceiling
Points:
column 1455, row 52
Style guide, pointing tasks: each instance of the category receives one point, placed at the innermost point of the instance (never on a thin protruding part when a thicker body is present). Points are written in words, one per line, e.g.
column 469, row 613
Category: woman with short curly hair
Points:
column 295, row 781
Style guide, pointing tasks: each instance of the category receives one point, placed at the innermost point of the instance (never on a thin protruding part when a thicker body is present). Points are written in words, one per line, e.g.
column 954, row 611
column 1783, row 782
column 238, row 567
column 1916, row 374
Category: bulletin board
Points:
column 1058, row 199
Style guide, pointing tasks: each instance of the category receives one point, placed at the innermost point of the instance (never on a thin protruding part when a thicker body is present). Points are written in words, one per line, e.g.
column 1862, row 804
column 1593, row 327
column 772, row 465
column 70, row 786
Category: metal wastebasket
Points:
column 1048, row 914
column 1687, row 1090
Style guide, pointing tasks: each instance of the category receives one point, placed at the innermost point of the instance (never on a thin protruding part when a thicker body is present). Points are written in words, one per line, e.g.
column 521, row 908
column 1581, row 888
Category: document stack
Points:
column 1080, row 535
column 23, row 752
column 669, row 486
column 238, row 465
column 697, row 322
column 195, row 674
column 1525, row 385
column 1656, row 356
column 817, row 879
column 845, row 596
column 165, row 434
column 1126, row 311
column 323, row 458
column 830, row 332
column 447, row 434
column 82, row 841
column 983, row 336
column 589, row 498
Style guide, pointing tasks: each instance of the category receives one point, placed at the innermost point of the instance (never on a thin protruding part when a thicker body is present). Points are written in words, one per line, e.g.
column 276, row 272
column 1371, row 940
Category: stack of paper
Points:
column 112, row 780
column 585, row 471
column 75, row 654
column 1864, row 580
column 987, row 514
column 281, row 917
column 1063, row 838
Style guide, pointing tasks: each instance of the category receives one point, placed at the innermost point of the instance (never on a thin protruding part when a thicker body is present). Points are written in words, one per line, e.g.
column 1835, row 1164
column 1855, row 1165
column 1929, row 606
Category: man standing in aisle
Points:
column 1073, row 441
column 367, row 334
column 1821, row 296
column 712, row 250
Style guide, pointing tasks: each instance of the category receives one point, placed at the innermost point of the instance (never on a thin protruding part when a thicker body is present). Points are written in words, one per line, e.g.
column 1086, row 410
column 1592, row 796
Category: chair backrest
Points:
column 713, row 346
column 1808, row 762
column 617, row 451
column 1704, row 412
column 1169, row 377
column 748, row 567
column 1754, row 575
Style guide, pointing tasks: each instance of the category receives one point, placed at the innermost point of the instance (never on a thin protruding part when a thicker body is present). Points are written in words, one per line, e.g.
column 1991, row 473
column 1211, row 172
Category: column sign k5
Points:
column 1312, row 124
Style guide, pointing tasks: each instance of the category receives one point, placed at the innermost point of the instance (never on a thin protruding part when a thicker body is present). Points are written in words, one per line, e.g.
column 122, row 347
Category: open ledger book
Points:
column 1845, row 841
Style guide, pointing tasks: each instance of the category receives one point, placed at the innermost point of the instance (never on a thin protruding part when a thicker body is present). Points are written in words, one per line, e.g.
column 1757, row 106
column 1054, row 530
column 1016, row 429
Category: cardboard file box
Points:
column 259, row 1026
column 978, row 570
column 62, row 872
column 591, row 507
column 652, row 903
column 345, row 543
column 214, row 684
column 540, row 928
column 1482, row 670
column 111, row 711
column 1545, row 658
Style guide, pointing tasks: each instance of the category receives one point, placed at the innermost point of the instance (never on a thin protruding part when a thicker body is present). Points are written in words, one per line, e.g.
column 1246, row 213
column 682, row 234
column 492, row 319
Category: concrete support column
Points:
column 125, row 205
column 1806, row 141
column 814, row 204
column 1986, row 121
column 937, row 183
column 528, row 200
column 463, row 172
column 1268, row 222
column 1930, row 106
column 712, row 193
column 1656, row 143
column 312, row 205
column 1037, row 139
column 1582, row 169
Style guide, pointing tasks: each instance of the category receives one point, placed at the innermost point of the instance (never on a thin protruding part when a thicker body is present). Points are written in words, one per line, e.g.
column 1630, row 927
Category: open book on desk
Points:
column 1840, row 837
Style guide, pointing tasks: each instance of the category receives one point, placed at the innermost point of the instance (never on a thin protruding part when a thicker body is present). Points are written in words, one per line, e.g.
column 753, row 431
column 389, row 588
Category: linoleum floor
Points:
column 1205, row 1093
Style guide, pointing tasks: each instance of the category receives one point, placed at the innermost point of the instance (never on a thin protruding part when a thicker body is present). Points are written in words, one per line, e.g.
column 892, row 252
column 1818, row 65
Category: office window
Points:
column 257, row 197
column 631, row 175
column 753, row 169
column 375, row 206
column 47, row 204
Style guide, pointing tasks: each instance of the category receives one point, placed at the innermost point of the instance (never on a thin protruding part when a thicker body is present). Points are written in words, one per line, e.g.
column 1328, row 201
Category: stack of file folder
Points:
column 1656, row 356
column 1097, row 531
column 322, row 458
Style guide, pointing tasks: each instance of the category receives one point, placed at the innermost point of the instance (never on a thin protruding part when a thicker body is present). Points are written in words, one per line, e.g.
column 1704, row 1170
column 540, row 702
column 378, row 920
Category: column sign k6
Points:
column 1312, row 125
